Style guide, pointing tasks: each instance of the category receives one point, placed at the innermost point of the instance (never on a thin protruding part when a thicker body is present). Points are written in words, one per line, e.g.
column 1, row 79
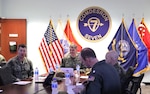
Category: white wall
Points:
column 39, row 12
column 0, row 8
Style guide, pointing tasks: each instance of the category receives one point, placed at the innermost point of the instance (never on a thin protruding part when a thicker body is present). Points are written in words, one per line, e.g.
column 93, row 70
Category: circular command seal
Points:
column 93, row 23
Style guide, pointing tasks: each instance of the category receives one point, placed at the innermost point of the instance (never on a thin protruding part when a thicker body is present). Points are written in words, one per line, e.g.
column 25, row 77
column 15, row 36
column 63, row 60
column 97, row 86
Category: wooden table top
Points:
column 31, row 88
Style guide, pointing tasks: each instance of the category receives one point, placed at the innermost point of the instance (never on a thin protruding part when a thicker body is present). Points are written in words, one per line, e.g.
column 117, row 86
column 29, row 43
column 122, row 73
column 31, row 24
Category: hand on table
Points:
column 78, row 89
column 28, row 79
column 62, row 86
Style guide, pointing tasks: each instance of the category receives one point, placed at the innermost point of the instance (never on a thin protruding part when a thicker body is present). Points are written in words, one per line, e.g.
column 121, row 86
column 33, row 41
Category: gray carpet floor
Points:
column 145, row 89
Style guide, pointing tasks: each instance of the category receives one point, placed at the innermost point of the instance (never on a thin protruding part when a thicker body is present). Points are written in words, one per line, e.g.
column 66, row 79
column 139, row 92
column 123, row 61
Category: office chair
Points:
column 135, row 84
column 48, row 79
column 6, row 76
column 2, row 63
column 126, row 80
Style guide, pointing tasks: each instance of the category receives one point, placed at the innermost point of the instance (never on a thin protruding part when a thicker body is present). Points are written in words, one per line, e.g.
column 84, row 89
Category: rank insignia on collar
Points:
column 91, row 78
column 93, row 71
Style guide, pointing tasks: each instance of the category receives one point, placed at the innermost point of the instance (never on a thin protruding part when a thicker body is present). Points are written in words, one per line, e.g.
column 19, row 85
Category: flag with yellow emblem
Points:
column 123, row 44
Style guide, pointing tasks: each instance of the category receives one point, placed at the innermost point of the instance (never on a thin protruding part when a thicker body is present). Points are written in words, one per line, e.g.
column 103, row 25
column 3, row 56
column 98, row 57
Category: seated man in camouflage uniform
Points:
column 2, row 60
column 21, row 67
column 71, row 59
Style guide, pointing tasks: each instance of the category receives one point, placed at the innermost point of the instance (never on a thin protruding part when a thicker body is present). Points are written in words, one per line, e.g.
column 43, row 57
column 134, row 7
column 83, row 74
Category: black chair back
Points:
column 136, row 84
column 2, row 63
column 5, row 76
column 48, row 79
column 126, row 80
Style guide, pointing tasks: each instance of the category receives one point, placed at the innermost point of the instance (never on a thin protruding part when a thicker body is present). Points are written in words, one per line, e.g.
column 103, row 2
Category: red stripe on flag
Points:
column 46, row 55
column 45, row 65
column 50, row 48
column 43, row 52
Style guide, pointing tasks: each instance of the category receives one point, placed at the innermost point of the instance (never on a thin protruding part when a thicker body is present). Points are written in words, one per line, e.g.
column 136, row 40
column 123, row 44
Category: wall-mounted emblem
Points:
column 93, row 23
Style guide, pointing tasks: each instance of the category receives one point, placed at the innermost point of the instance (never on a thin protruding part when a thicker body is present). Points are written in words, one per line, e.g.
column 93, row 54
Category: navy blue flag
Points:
column 142, row 61
column 123, row 44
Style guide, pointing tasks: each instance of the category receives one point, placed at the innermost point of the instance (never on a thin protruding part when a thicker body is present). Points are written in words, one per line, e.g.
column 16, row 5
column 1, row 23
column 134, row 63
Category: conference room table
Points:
column 31, row 87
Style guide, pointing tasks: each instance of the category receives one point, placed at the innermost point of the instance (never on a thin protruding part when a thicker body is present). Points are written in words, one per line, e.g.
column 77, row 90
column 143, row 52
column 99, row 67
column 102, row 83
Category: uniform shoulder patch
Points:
column 91, row 78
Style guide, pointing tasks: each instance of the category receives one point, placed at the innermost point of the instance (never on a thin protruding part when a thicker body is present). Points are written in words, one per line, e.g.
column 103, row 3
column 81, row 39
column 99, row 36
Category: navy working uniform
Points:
column 103, row 79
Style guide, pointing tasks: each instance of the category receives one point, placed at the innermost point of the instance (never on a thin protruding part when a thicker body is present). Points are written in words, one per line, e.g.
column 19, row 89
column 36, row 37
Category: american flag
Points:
column 50, row 48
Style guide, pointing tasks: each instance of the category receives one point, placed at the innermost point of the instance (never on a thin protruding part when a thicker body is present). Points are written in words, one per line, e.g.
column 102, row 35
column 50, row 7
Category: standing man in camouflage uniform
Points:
column 21, row 67
column 71, row 59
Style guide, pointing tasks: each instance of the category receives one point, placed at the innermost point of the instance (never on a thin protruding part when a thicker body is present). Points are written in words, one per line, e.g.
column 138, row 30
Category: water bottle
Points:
column 54, row 86
column 36, row 87
column 78, row 69
column 57, row 68
column 36, row 74
column 67, row 78
column 51, row 70
column 77, row 75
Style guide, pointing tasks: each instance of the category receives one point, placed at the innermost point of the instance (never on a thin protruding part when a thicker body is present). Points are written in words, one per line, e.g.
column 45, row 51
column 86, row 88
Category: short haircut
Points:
column 22, row 45
column 112, row 54
column 87, row 52
column 72, row 45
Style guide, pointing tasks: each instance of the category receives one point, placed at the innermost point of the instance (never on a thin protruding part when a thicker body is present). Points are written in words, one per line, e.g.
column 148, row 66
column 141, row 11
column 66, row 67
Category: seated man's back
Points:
column 107, row 77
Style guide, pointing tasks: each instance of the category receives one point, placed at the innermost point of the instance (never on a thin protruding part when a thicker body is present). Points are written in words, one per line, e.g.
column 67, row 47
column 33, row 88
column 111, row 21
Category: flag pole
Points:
column 121, row 53
column 67, row 16
column 143, row 15
column 133, row 15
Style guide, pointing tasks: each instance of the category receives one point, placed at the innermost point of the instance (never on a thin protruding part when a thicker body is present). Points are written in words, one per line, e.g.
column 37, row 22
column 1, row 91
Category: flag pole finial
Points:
column 67, row 15
column 143, row 16
column 50, row 18
column 133, row 15
column 60, row 16
column 122, row 15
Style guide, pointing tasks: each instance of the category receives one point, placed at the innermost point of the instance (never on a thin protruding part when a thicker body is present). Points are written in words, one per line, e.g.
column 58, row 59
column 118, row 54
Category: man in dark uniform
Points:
column 103, row 78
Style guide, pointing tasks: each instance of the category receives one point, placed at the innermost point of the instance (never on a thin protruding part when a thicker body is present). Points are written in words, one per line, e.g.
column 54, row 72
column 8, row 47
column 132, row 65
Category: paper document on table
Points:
column 70, row 70
column 70, row 89
column 40, row 79
column 1, row 90
column 22, row 82
column 84, row 77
